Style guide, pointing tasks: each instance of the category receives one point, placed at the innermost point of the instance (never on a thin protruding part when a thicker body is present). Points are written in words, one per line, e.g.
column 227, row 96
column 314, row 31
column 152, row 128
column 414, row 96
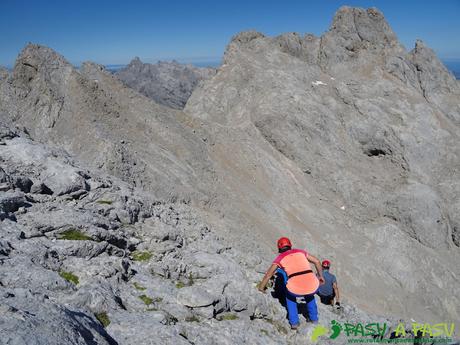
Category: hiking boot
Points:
column 295, row 327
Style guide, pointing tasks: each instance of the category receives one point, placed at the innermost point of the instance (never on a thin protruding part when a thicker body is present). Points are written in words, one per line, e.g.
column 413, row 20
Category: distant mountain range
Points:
column 452, row 65
column 210, row 63
column 167, row 83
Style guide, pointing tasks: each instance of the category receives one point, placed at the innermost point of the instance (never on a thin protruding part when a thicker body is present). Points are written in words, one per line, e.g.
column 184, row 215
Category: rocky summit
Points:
column 127, row 221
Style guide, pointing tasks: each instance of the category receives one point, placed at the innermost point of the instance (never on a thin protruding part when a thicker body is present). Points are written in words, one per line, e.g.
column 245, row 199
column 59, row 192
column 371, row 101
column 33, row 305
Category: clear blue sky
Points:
column 112, row 32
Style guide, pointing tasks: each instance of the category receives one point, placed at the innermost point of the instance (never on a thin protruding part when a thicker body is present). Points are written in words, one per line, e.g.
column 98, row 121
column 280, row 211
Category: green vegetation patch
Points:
column 192, row 318
column 228, row 317
column 75, row 235
column 190, row 282
column 138, row 286
column 69, row 276
column 180, row 285
column 264, row 332
column 103, row 318
column 146, row 299
column 104, row 202
column 141, row 255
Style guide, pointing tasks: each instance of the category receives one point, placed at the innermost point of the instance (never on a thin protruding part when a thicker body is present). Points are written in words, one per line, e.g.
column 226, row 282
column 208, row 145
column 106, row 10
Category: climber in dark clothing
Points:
column 329, row 290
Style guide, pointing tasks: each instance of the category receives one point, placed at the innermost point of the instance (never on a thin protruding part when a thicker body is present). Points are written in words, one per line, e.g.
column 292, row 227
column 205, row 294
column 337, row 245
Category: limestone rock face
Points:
column 167, row 83
column 112, row 265
column 343, row 132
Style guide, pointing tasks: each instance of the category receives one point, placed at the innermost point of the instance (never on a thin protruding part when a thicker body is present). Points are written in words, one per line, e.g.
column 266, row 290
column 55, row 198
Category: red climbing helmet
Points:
column 326, row 263
column 284, row 242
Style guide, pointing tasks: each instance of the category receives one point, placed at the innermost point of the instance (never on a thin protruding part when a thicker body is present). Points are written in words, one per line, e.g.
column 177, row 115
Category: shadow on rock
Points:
column 86, row 333
column 279, row 292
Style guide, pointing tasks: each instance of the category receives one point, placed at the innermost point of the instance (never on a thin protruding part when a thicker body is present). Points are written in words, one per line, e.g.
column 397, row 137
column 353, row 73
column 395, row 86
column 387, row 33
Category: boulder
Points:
column 40, row 188
column 11, row 201
column 22, row 183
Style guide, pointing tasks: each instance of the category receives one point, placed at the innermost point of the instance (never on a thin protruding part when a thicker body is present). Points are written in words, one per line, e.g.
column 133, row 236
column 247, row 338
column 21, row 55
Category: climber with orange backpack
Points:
column 299, row 279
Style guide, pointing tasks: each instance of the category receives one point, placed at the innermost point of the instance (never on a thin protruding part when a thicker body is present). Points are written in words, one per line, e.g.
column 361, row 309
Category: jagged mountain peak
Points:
column 246, row 37
column 425, row 58
column 136, row 60
column 37, row 61
column 356, row 36
column 39, row 56
column 367, row 24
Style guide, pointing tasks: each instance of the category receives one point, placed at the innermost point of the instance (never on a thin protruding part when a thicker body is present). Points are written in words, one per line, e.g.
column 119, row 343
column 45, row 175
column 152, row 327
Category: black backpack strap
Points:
column 299, row 273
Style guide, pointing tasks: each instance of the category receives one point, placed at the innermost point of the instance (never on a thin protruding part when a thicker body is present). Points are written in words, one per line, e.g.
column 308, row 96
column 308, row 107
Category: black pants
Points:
column 327, row 299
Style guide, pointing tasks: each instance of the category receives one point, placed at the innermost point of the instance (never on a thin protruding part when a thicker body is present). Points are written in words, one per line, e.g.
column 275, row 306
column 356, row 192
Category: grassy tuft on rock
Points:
column 103, row 318
column 141, row 255
column 75, row 235
column 146, row 299
column 69, row 276
column 228, row 317
column 190, row 282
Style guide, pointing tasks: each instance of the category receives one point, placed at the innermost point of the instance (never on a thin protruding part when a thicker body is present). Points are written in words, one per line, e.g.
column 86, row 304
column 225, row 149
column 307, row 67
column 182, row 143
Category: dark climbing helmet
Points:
column 284, row 242
column 326, row 263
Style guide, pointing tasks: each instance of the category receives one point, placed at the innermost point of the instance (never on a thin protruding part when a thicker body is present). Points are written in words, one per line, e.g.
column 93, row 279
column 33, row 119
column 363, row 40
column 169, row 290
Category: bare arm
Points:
column 267, row 277
column 336, row 291
column 319, row 269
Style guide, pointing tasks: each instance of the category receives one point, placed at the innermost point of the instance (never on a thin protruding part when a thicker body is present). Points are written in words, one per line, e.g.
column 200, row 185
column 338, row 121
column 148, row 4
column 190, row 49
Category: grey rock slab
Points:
column 31, row 321
column 143, row 328
column 195, row 296
column 237, row 331
column 61, row 178
column 33, row 276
